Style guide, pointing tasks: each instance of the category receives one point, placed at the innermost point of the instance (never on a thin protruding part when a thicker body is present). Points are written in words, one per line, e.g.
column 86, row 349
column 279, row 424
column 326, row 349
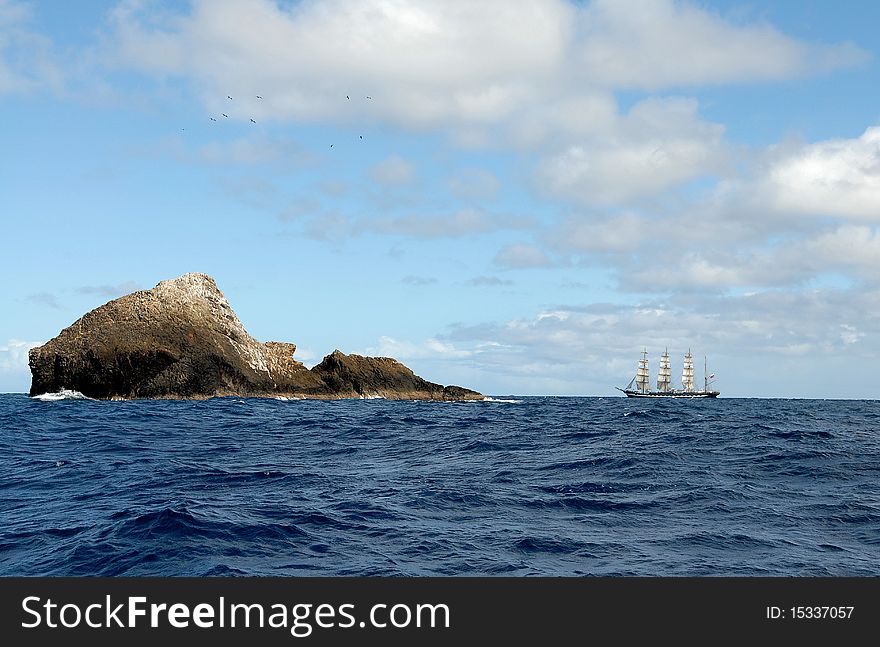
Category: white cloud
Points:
column 838, row 177
column 590, row 349
column 405, row 350
column 539, row 74
column 307, row 356
column 249, row 151
column 652, row 44
column 659, row 144
column 845, row 250
column 420, row 62
column 850, row 334
column 453, row 63
column 848, row 247
column 394, row 171
column 585, row 113
column 474, row 184
column 329, row 227
column 146, row 37
column 620, row 233
column 14, row 355
column 27, row 63
column 521, row 256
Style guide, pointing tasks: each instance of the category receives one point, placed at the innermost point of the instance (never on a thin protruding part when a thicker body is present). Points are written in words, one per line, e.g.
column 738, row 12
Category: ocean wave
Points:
column 504, row 400
column 551, row 486
column 63, row 394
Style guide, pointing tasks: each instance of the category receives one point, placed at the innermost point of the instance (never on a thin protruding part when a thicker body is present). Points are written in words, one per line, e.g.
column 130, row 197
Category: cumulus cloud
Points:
column 146, row 36
column 329, row 227
column 659, row 43
column 838, row 177
column 589, row 349
column 429, row 348
column 250, row 150
column 623, row 233
column 521, row 256
column 659, row 144
column 794, row 261
column 795, row 213
column 425, row 63
column 850, row 334
column 851, row 250
column 541, row 74
column 419, row 62
column 14, row 355
column 474, row 184
column 393, row 171
column 27, row 60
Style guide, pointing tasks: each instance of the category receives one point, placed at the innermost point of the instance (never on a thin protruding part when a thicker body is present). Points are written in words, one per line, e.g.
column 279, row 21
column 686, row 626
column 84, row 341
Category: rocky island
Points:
column 182, row 340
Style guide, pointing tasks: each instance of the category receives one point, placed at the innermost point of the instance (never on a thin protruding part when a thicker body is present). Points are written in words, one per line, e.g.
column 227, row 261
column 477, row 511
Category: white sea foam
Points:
column 63, row 394
column 488, row 399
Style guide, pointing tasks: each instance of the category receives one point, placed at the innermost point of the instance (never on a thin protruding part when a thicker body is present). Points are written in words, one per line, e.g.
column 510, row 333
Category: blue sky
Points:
column 530, row 195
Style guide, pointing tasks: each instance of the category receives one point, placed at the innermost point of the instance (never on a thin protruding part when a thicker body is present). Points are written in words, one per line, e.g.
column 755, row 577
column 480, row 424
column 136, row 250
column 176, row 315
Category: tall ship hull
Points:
column 638, row 387
column 669, row 394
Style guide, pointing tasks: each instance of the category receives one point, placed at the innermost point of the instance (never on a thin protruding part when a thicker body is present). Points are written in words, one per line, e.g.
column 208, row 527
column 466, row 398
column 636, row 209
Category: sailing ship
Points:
column 639, row 386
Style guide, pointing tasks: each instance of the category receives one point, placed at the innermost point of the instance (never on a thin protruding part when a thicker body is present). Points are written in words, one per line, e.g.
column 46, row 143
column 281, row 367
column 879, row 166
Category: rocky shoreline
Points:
column 182, row 340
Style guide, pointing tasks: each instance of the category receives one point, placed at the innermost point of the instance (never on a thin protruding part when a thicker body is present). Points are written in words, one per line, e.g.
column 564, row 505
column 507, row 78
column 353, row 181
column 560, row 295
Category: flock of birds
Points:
column 223, row 114
column 253, row 121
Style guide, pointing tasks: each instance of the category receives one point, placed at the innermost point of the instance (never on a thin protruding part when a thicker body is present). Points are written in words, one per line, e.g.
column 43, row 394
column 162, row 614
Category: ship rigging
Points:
column 640, row 385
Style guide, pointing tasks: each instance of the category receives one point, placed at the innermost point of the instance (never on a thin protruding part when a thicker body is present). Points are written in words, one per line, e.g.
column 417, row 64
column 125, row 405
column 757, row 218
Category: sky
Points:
column 516, row 197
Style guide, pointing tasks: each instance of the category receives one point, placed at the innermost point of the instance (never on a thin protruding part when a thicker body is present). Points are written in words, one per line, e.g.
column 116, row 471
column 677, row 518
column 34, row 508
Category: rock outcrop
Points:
column 182, row 340
column 358, row 376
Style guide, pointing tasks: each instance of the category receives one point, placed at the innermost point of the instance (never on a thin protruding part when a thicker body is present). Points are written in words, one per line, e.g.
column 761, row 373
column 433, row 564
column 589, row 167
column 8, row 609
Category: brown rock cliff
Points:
column 182, row 340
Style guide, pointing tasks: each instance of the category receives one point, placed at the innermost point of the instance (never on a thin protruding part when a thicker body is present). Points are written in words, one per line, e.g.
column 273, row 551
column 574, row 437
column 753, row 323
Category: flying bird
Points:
column 348, row 97
column 362, row 136
column 225, row 115
column 369, row 97
column 259, row 97
column 212, row 118
column 228, row 97
column 253, row 122
column 331, row 145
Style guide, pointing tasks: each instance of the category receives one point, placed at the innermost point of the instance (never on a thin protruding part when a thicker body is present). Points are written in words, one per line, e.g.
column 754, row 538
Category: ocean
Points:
column 515, row 486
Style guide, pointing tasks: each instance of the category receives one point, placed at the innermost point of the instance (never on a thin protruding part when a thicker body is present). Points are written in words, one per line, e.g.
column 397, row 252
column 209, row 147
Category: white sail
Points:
column 687, row 373
column 642, row 378
column 664, row 375
column 640, row 385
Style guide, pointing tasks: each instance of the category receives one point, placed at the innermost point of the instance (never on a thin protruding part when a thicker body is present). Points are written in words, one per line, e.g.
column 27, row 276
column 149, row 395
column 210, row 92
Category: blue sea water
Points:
column 520, row 486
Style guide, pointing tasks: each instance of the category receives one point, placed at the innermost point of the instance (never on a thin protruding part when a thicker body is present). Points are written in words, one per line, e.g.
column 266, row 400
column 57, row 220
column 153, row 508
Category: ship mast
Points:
column 687, row 373
column 705, row 374
column 642, row 378
column 664, row 375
